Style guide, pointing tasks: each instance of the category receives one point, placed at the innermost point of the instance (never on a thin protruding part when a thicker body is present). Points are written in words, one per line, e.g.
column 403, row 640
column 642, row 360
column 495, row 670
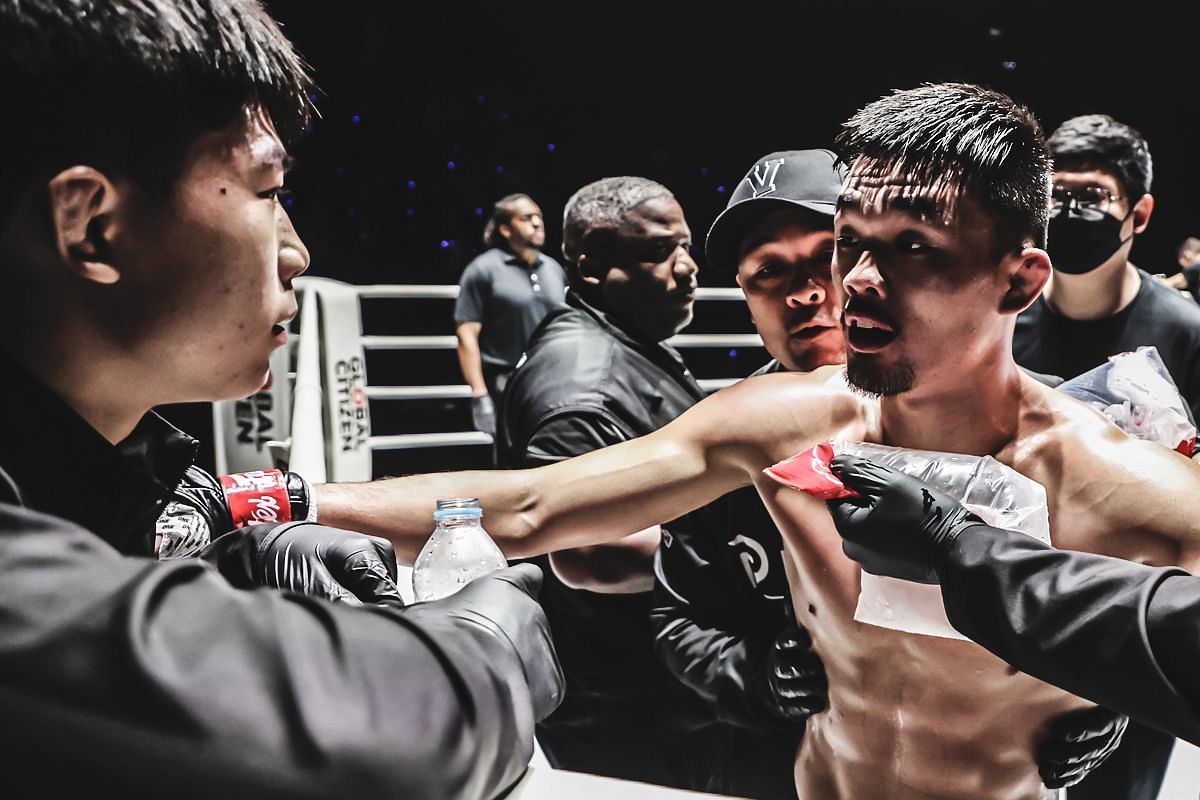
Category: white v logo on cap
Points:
column 762, row 177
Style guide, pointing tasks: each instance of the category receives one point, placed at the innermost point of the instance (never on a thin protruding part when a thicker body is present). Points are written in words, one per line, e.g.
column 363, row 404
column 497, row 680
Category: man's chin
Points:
column 247, row 387
column 810, row 358
column 875, row 379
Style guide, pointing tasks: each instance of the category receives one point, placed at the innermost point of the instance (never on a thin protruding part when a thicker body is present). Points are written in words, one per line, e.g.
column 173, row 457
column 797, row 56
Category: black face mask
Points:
column 1079, row 241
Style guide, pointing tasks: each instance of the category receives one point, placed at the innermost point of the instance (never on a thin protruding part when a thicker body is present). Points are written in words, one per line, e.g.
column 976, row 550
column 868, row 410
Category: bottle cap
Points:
column 442, row 513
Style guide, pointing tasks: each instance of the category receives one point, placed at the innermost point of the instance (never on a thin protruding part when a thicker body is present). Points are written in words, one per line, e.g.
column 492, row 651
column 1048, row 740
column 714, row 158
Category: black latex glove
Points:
column 792, row 683
column 901, row 527
column 1077, row 743
column 505, row 603
column 483, row 414
column 309, row 558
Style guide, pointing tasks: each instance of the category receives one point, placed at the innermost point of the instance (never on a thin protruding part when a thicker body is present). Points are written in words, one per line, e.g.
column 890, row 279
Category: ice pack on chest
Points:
column 1136, row 392
column 998, row 494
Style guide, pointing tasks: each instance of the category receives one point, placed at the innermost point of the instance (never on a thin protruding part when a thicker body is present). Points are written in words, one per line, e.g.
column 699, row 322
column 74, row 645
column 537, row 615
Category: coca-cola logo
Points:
column 266, row 508
column 256, row 497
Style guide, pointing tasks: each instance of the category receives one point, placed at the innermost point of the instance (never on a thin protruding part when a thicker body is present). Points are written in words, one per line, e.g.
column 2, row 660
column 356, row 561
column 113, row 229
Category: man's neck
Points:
column 86, row 381
column 527, row 255
column 975, row 412
column 1098, row 294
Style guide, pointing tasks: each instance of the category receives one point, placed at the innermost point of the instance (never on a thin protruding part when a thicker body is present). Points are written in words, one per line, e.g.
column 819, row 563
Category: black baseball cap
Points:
column 810, row 179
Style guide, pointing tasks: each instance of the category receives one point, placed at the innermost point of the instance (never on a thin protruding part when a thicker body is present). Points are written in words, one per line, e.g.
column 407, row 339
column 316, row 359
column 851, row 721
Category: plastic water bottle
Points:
column 458, row 551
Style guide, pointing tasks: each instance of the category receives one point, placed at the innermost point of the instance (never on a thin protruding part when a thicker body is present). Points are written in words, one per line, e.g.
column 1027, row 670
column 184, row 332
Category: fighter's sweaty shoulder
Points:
column 1100, row 483
column 780, row 414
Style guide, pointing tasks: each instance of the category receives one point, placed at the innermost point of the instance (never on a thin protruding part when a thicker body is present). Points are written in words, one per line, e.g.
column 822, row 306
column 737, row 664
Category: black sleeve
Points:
column 571, row 434
column 1122, row 635
column 160, row 680
column 711, row 636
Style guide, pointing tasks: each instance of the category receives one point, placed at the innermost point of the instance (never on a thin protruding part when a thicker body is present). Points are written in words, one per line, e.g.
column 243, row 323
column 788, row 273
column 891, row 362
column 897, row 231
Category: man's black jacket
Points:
column 1123, row 635
column 159, row 679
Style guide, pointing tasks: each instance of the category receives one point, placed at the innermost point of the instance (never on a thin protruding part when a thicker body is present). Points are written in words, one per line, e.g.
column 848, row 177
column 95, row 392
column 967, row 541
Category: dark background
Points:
column 689, row 94
column 429, row 112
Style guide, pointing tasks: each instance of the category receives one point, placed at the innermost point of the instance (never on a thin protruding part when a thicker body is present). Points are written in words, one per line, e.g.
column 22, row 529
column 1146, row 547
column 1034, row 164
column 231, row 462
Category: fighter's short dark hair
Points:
column 128, row 85
column 987, row 145
column 1099, row 140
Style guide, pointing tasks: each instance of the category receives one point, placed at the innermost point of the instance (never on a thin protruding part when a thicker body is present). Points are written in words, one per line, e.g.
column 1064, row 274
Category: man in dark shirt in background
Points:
column 502, row 296
column 1098, row 304
column 1188, row 277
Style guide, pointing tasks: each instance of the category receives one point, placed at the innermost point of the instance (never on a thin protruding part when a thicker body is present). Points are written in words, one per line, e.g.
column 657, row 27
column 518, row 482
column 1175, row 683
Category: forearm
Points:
column 1075, row 620
column 623, row 567
column 401, row 509
column 593, row 499
column 471, row 363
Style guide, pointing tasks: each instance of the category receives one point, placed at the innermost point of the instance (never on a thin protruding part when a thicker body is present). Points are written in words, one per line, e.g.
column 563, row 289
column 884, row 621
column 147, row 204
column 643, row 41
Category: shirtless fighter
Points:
column 939, row 233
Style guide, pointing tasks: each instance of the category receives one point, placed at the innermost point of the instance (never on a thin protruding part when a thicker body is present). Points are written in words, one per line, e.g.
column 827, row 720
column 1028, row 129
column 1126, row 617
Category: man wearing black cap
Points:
column 720, row 582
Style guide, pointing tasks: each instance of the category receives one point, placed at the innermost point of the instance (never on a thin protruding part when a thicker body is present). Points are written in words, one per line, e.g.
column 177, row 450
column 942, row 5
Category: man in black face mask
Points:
column 1098, row 304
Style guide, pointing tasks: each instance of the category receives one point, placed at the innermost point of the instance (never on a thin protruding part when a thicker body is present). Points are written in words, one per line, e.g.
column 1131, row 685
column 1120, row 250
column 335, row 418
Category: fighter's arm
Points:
column 714, row 447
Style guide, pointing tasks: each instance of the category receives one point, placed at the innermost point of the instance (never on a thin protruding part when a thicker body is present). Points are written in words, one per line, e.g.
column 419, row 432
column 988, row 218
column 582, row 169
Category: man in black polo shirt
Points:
column 502, row 296
column 1098, row 304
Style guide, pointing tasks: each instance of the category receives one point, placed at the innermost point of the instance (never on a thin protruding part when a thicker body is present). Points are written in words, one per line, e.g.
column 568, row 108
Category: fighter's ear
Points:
column 1027, row 272
column 83, row 205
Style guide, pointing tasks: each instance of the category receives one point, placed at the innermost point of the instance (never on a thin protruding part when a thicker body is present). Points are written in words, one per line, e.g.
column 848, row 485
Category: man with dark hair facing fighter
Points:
column 940, row 232
column 145, row 259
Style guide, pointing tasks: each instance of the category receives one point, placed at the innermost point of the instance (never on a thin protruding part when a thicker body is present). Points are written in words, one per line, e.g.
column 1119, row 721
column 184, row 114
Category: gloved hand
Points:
column 483, row 413
column 309, row 558
column 1077, row 743
column 901, row 527
column 792, row 684
column 504, row 604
